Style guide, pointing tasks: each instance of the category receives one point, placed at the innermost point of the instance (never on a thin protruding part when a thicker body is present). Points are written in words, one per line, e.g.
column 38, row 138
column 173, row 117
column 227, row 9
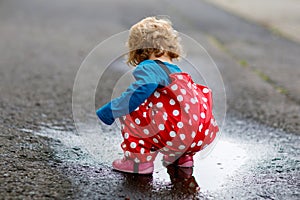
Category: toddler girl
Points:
column 163, row 110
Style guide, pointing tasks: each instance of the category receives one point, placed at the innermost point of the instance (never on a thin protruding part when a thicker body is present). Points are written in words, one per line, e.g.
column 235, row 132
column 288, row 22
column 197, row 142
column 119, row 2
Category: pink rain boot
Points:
column 129, row 166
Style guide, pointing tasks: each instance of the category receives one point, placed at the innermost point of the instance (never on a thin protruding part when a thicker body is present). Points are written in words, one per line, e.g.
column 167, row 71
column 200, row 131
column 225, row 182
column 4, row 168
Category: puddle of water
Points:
column 102, row 147
column 211, row 172
column 90, row 148
column 246, row 152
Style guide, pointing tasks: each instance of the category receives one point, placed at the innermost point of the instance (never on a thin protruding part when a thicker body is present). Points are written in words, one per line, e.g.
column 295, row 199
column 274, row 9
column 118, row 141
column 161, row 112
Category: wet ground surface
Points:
column 249, row 161
column 44, row 157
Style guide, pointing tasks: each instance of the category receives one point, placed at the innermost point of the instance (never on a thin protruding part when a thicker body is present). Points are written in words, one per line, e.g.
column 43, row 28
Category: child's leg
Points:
column 193, row 143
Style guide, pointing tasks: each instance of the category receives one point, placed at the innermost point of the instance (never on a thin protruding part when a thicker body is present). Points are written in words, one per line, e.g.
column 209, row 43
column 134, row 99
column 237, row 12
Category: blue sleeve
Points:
column 148, row 78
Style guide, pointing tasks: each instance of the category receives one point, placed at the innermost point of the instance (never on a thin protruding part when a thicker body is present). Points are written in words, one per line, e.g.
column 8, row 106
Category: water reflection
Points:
column 182, row 184
column 174, row 182
column 212, row 171
column 135, row 184
column 182, row 179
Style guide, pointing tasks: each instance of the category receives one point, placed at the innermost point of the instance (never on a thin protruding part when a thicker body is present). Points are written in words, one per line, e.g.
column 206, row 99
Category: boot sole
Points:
column 145, row 171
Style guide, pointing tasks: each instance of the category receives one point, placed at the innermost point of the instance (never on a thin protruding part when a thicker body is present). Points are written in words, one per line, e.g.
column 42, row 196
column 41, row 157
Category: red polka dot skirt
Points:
column 174, row 120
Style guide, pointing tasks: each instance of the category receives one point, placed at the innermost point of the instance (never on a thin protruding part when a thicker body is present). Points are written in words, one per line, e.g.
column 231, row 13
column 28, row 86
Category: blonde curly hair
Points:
column 152, row 36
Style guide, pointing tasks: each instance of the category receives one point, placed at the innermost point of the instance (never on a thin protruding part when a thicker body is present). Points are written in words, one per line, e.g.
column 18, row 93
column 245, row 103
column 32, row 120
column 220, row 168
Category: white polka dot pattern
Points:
column 202, row 115
column 166, row 149
column 141, row 142
column 149, row 158
column 195, row 117
column 193, row 144
column 172, row 134
column 199, row 143
column 193, row 134
column 180, row 98
column 174, row 87
column 200, row 127
column 156, row 94
column 146, row 131
column 177, row 116
column 144, row 114
column 183, row 91
column 155, row 140
column 165, row 116
column 127, row 153
column 169, row 143
column 206, row 132
column 179, row 124
column 126, row 135
column 175, row 112
column 205, row 90
column 181, row 147
column 159, row 105
column 182, row 136
column 161, row 127
column 172, row 102
column 193, row 101
column 137, row 121
column 133, row 145
column 187, row 108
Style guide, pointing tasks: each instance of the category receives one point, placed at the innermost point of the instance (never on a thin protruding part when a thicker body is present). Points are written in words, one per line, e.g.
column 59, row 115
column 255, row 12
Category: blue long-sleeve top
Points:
column 149, row 76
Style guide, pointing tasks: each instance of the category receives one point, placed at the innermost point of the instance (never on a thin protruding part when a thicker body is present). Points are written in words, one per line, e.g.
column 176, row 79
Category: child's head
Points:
column 152, row 36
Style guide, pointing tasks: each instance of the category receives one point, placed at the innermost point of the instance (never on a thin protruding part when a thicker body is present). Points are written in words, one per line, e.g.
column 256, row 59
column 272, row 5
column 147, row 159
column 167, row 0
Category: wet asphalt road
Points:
column 41, row 48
